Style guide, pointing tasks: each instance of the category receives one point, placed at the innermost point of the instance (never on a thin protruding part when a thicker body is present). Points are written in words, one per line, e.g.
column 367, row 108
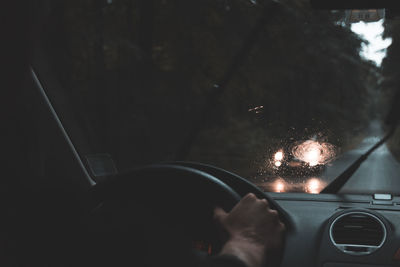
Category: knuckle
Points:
column 250, row 196
column 217, row 219
column 216, row 216
column 273, row 213
column 282, row 227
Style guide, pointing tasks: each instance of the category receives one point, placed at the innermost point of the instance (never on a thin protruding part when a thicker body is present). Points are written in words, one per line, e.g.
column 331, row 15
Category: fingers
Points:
column 263, row 204
column 273, row 213
column 247, row 205
column 219, row 214
column 250, row 196
column 282, row 227
column 251, row 199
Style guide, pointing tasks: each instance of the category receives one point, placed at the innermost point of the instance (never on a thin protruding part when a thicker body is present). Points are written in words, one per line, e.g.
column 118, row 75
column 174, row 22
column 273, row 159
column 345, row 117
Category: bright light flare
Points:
column 278, row 155
column 312, row 156
column 314, row 186
column 279, row 186
column 278, row 163
column 314, row 153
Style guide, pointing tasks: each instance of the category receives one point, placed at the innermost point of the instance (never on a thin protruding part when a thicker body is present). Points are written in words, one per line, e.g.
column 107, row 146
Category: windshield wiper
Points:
column 339, row 181
column 392, row 120
column 219, row 88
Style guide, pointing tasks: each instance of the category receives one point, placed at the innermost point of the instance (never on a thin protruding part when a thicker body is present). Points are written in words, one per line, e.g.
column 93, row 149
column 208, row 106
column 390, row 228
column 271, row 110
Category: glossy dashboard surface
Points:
column 308, row 242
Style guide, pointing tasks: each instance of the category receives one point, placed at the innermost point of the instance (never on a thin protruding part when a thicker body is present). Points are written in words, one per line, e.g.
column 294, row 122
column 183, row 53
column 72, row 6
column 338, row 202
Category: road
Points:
column 380, row 173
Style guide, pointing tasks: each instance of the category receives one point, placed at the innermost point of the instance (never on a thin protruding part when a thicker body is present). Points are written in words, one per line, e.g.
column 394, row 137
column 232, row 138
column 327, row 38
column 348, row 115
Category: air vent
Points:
column 358, row 233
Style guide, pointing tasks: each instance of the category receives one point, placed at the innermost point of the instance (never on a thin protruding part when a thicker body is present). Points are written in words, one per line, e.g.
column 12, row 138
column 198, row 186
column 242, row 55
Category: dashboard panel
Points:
column 309, row 242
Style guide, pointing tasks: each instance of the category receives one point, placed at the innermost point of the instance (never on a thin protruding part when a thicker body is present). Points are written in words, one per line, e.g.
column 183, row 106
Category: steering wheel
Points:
column 239, row 185
column 160, row 198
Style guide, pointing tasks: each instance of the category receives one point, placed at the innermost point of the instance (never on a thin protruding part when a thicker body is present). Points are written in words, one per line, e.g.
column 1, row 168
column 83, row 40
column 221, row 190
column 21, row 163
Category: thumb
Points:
column 219, row 214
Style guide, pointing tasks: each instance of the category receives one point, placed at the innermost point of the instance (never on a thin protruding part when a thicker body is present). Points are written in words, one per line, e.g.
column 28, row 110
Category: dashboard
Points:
column 323, row 230
column 330, row 230
column 341, row 230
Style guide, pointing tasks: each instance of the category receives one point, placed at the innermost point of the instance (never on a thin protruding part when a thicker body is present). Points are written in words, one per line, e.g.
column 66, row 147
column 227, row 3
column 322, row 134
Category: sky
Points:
column 372, row 32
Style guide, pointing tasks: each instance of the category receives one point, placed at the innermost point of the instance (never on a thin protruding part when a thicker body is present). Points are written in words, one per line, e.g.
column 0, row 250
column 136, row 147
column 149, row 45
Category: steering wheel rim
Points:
column 120, row 187
column 240, row 185
column 116, row 187
column 114, row 195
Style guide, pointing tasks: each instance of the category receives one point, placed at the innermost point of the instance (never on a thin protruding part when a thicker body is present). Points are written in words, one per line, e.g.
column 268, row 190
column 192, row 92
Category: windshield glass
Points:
column 281, row 94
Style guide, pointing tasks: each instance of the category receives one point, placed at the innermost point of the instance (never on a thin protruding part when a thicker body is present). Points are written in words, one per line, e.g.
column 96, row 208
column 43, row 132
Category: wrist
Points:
column 251, row 253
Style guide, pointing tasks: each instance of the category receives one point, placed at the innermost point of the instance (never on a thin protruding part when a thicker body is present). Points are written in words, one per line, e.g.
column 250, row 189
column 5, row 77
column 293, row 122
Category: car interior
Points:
column 66, row 203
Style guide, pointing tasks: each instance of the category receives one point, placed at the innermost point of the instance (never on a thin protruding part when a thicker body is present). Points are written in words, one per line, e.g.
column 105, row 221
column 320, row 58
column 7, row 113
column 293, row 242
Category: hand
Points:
column 254, row 230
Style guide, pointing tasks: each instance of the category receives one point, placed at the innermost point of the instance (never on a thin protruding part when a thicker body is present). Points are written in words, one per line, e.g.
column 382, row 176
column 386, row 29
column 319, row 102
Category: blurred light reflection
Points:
column 314, row 153
column 314, row 186
column 278, row 155
column 279, row 186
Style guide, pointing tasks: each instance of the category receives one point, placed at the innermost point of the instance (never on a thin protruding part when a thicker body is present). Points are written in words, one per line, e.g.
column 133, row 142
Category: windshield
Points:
column 281, row 94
